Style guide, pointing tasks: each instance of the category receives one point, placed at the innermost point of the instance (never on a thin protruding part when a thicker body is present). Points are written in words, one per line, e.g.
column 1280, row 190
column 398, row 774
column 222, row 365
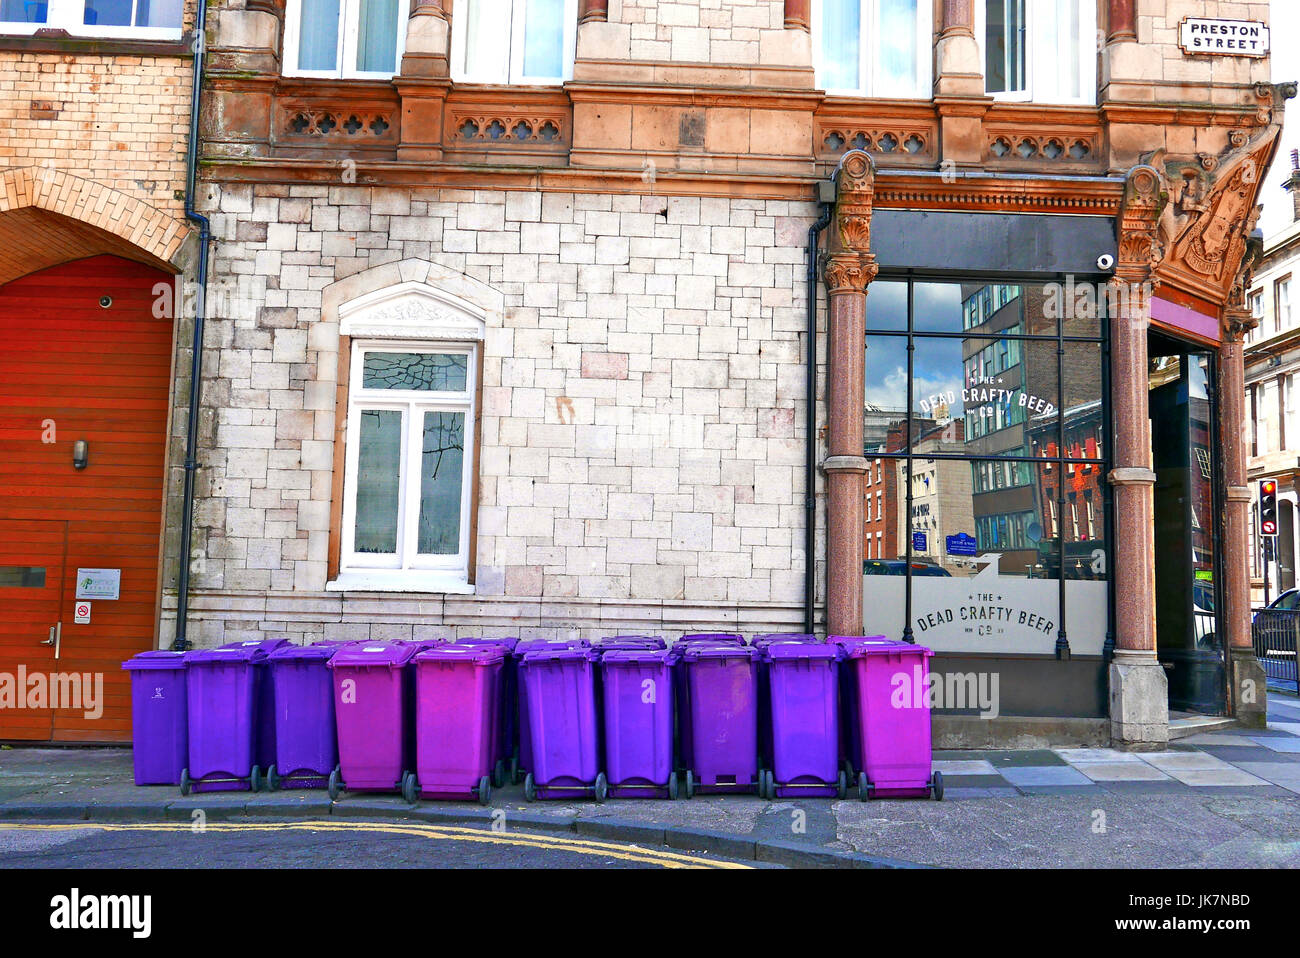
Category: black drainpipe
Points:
column 181, row 642
column 810, row 463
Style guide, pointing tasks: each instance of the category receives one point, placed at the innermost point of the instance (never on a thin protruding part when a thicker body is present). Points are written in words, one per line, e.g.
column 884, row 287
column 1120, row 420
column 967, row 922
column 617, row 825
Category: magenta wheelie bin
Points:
column 896, row 758
column 638, row 691
column 850, row 725
column 456, row 688
column 306, row 745
column 560, row 690
column 374, row 710
column 506, row 764
column 722, row 698
column 803, row 684
column 264, row 716
column 522, row 648
column 159, row 720
column 221, row 703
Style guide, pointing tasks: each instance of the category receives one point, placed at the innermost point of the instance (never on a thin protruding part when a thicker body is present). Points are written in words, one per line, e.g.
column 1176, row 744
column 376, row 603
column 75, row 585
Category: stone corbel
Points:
column 850, row 265
column 1139, row 248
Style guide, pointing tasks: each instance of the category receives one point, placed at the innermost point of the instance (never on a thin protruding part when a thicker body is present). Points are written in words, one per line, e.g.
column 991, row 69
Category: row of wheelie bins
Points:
column 786, row 715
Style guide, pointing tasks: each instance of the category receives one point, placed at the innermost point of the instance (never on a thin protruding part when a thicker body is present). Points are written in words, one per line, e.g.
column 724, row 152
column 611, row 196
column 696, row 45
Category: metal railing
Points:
column 1275, row 632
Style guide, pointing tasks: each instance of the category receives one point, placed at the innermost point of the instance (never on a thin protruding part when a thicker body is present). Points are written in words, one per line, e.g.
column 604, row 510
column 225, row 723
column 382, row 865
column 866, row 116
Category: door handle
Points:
column 56, row 637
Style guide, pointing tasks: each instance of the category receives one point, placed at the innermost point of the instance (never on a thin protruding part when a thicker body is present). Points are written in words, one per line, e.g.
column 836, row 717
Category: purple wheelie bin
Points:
column 159, row 721
column 803, row 682
column 306, row 746
column 264, row 717
column 456, row 688
column 374, row 712
column 761, row 642
column 221, row 703
column 522, row 648
column 506, row 764
column 638, row 691
column 850, row 724
column 560, row 693
column 722, row 699
column 896, row 759
column 683, row 709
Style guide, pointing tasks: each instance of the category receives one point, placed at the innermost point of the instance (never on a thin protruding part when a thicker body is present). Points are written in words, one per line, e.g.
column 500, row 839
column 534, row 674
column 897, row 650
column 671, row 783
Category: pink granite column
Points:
column 846, row 279
column 1236, row 519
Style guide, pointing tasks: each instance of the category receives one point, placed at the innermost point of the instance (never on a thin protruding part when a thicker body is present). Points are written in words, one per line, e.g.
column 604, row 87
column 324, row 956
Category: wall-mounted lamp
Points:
column 80, row 454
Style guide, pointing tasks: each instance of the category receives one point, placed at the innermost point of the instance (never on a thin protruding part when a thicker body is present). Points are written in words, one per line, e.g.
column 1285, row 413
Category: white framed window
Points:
column 352, row 39
column 408, row 460
column 133, row 19
column 1282, row 313
column 1044, row 51
column 879, row 48
column 514, row 41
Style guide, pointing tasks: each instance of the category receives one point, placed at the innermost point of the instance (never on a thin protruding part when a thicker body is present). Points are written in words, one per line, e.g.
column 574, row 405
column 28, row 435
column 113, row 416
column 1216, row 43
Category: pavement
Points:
column 1228, row 799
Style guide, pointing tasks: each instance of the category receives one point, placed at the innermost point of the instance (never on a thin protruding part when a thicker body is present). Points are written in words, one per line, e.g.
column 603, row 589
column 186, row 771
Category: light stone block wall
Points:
column 705, row 31
column 1157, row 56
column 642, row 411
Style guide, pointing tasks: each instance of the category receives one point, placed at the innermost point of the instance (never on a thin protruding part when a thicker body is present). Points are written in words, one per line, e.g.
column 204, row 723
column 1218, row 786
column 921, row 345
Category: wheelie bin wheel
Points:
column 409, row 787
column 936, row 786
column 335, row 784
column 255, row 781
column 530, row 788
column 514, row 770
column 843, row 785
column 672, row 786
column 272, row 779
column 602, row 787
column 499, row 773
column 186, row 783
column 690, row 784
column 485, row 790
column 864, row 787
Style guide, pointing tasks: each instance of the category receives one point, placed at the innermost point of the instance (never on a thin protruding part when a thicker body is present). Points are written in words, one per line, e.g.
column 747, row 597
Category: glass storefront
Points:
column 985, row 432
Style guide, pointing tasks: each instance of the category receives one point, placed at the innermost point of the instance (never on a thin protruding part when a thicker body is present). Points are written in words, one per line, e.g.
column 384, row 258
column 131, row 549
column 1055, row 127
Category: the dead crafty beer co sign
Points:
column 1209, row 35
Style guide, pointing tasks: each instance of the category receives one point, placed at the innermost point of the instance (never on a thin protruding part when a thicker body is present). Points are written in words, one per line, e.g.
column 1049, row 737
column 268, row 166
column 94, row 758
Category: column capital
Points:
column 849, row 272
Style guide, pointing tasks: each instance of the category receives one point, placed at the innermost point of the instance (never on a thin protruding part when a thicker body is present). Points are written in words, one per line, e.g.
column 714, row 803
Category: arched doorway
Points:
column 85, row 371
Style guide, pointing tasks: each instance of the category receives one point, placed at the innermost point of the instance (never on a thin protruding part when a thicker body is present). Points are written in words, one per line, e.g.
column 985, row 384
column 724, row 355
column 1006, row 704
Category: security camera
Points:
column 105, row 301
column 1105, row 262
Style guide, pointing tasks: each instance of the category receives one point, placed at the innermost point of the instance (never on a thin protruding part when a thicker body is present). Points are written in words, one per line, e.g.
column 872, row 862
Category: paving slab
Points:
column 1080, row 756
column 1277, row 743
column 1038, row 775
column 1122, row 772
column 1214, row 776
column 1183, row 760
column 967, row 767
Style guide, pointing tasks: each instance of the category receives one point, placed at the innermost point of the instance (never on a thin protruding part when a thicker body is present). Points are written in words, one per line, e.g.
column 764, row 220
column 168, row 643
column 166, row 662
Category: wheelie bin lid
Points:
column 618, row 642
column 538, row 656
column 525, row 646
column 456, row 652
column 884, row 647
column 373, row 654
column 720, row 650
column 694, row 638
column 304, row 653
column 507, row 642
column 227, row 653
column 851, row 639
column 639, row 657
column 761, row 641
column 156, row 659
column 266, row 645
column 801, row 651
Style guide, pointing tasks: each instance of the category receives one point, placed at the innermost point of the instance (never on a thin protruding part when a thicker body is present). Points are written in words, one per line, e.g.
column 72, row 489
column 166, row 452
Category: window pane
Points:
column 1060, row 32
column 487, row 47
column 937, row 307
column 897, row 72
column 841, row 30
column 378, row 474
column 429, row 372
column 22, row 577
column 318, row 39
column 885, row 565
column 441, row 471
column 108, row 13
column 1004, row 46
column 544, row 39
column 24, row 11
column 377, row 36
column 887, row 305
column 884, row 428
column 158, row 13
column 1084, row 424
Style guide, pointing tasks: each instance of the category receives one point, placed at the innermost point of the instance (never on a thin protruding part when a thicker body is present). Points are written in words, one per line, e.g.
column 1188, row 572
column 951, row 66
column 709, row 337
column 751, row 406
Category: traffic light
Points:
column 1268, row 507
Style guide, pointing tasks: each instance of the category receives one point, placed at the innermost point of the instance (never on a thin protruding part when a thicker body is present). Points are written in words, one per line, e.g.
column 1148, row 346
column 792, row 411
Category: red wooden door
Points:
column 31, row 585
column 84, row 357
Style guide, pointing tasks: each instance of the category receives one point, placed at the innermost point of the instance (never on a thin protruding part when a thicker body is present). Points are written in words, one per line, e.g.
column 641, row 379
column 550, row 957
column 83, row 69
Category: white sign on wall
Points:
column 98, row 583
column 1210, row 35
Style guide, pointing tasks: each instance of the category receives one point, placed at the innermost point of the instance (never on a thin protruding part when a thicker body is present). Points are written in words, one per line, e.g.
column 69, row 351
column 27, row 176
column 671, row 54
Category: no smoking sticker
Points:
column 81, row 613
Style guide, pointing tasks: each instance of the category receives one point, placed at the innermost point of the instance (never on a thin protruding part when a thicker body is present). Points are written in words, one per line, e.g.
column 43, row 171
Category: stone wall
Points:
column 642, row 411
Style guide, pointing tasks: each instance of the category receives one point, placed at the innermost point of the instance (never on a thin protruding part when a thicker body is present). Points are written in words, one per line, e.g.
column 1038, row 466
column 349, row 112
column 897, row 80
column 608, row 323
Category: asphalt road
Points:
column 327, row 844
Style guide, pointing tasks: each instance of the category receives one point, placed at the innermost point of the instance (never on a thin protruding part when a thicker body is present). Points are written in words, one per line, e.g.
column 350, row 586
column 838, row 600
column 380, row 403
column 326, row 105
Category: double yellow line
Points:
column 445, row 833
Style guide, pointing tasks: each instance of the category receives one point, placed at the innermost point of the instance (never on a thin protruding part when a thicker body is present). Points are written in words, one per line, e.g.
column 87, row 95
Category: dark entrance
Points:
column 1188, row 507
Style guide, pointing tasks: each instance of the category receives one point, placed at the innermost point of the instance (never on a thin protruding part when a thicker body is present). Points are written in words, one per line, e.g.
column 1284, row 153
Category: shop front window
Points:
column 998, row 459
